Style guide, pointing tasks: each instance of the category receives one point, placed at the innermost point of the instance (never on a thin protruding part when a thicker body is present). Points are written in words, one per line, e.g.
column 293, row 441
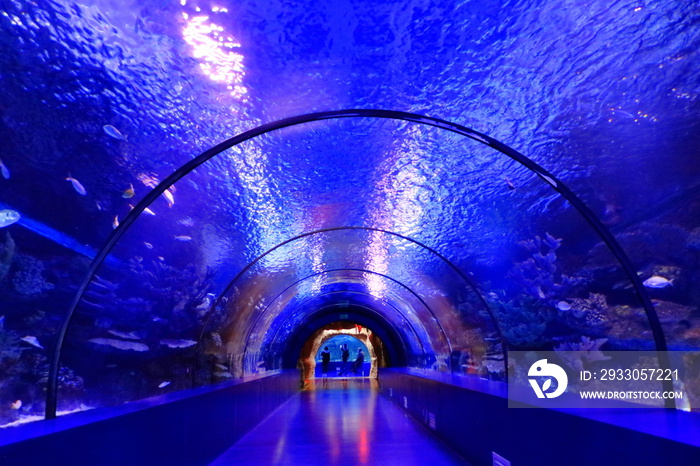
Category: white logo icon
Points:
column 543, row 369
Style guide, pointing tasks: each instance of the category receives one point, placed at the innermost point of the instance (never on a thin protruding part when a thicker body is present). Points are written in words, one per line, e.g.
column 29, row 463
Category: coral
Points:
column 10, row 345
column 70, row 386
column 34, row 319
column 587, row 314
column 7, row 251
column 523, row 324
column 577, row 355
column 691, row 381
column 694, row 239
column 624, row 311
column 621, row 330
column 669, row 311
column 28, row 279
column 169, row 293
column 537, row 275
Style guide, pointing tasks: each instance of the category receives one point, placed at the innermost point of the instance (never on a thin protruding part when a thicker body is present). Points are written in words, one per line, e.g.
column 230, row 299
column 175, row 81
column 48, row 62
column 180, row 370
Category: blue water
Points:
column 604, row 95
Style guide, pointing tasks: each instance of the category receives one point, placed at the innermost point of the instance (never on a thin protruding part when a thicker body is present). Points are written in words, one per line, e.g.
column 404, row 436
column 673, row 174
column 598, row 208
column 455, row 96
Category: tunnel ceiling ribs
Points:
column 462, row 276
column 178, row 174
column 330, row 271
column 332, row 309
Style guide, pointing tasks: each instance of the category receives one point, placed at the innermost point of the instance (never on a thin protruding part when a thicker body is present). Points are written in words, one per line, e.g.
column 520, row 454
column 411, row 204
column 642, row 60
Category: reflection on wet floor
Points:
column 340, row 382
column 339, row 422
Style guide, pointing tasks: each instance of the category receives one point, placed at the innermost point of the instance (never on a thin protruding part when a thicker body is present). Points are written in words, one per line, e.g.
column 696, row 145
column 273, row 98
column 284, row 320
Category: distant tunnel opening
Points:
column 385, row 346
column 347, row 355
column 365, row 340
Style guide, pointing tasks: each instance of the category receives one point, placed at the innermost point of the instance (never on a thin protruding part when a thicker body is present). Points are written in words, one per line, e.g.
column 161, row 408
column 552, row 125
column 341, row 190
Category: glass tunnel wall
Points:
column 100, row 101
column 460, row 267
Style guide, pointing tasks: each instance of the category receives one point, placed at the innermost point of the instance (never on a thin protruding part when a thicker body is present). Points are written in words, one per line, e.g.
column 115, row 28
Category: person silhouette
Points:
column 357, row 365
column 325, row 360
column 345, row 354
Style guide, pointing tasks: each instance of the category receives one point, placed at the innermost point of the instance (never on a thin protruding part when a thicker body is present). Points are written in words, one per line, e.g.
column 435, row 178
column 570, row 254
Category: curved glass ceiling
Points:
column 458, row 247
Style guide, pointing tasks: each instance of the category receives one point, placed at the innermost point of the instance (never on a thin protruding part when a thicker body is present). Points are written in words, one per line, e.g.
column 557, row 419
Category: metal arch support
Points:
column 368, row 308
column 557, row 185
column 326, row 272
column 466, row 278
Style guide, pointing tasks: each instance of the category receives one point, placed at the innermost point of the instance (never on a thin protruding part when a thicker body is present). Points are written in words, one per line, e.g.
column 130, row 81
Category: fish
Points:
column 221, row 366
column 169, row 197
column 150, row 180
column 80, row 189
column 146, row 210
column 509, row 183
column 164, row 384
column 120, row 344
column 113, row 132
column 115, row 222
column 657, row 281
column 493, row 295
column 32, row 341
column 540, row 293
column 126, row 335
column 171, row 343
column 17, row 404
column 563, row 306
column 8, row 217
column 90, row 303
column 103, row 283
column 129, row 192
column 4, row 170
column 623, row 113
column 183, row 238
column 148, row 245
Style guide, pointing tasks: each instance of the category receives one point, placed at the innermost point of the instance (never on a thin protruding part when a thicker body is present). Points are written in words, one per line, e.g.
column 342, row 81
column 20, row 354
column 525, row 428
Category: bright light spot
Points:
column 217, row 61
column 377, row 260
column 183, row 2
column 639, row 8
column 406, row 190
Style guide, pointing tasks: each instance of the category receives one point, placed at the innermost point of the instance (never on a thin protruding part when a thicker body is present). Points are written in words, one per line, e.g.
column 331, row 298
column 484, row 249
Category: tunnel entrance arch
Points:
column 374, row 345
column 602, row 231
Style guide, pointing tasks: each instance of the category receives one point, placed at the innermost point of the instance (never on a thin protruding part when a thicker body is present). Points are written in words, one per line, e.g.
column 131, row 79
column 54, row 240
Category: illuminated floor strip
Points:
column 347, row 423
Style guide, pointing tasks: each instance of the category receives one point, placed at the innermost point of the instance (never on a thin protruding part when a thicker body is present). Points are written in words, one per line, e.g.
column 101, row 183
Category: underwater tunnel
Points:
column 179, row 239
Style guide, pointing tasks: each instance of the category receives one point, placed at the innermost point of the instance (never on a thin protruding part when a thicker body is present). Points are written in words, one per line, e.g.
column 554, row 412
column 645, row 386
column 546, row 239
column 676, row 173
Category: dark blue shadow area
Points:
column 184, row 428
column 473, row 417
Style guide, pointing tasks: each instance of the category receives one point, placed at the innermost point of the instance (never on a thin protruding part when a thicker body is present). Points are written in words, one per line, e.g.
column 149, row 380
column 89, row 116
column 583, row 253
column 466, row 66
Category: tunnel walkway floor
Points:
column 339, row 422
